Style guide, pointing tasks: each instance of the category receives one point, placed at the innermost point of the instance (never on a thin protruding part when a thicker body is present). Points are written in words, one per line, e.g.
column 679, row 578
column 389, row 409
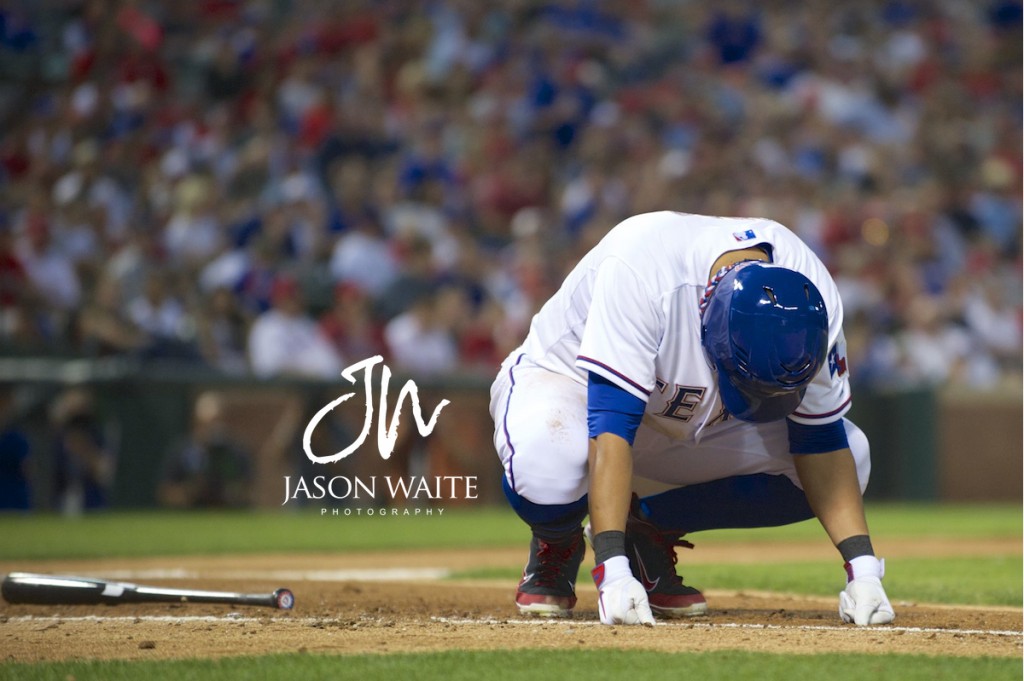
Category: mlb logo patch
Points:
column 744, row 236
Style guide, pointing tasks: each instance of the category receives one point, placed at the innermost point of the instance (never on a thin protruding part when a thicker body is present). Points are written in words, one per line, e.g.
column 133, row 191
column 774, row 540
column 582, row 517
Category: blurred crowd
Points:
column 290, row 186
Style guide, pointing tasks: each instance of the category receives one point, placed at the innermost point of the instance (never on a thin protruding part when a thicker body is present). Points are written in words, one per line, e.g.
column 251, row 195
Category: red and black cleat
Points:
column 652, row 559
column 548, row 586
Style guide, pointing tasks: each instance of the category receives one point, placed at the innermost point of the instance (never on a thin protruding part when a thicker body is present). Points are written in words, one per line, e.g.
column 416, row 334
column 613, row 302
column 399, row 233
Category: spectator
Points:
column 15, row 458
column 363, row 256
column 286, row 341
column 83, row 464
column 157, row 313
column 422, row 340
column 16, row 294
column 225, row 78
column 350, row 326
column 194, row 235
column 223, row 332
column 211, row 469
column 935, row 352
column 51, row 273
column 994, row 324
column 735, row 33
column 418, row 274
column 104, row 326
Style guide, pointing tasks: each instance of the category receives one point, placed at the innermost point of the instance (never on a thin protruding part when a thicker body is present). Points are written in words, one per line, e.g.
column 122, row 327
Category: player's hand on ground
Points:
column 863, row 601
column 620, row 598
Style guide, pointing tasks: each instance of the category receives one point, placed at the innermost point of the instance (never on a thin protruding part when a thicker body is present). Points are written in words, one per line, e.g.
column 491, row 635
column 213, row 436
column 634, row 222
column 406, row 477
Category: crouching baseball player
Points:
column 690, row 374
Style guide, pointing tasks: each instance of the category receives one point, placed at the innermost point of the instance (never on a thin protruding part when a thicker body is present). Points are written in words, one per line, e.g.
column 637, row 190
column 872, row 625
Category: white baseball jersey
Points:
column 629, row 312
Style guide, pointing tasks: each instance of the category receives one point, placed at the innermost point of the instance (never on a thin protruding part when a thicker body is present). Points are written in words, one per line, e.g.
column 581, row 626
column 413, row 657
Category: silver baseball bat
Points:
column 41, row 589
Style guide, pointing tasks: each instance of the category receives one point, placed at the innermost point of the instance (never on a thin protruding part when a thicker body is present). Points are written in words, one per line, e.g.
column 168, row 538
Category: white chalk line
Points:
column 162, row 619
column 349, row 575
column 233, row 618
column 417, row 574
column 737, row 625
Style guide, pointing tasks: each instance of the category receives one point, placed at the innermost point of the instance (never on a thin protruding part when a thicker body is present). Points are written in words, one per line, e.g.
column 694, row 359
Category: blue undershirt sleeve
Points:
column 817, row 439
column 610, row 409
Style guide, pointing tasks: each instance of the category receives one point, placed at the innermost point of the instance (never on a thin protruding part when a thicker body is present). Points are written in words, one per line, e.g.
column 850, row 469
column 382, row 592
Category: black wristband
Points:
column 855, row 547
column 609, row 544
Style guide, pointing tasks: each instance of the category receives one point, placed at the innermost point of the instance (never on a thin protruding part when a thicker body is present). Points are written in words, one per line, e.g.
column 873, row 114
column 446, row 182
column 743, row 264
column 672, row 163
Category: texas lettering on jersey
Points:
column 683, row 402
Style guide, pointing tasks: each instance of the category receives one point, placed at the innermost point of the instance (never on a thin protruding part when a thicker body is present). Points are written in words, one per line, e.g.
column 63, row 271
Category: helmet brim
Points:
column 747, row 404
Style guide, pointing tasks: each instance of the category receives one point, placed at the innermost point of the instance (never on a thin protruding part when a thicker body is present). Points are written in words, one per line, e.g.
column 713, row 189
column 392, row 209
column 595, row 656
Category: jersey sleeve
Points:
column 610, row 409
column 623, row 330
column 828, row 395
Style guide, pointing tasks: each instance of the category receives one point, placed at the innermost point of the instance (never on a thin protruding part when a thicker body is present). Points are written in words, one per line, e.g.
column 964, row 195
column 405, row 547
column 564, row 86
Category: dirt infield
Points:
column 391, row 602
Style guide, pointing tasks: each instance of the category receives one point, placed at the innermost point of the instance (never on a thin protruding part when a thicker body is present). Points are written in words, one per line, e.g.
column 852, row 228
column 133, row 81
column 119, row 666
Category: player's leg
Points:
column 541, row 438
column 744, row 477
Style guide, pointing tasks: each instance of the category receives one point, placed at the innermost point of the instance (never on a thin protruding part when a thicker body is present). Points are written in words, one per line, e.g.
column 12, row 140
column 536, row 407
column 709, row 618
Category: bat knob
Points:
column 284, row 599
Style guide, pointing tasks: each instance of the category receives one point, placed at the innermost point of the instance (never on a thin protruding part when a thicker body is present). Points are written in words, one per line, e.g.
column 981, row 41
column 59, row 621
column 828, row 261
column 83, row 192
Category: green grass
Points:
column 976, row 580
column 972, row 521
column 212, row 533
column 530, row 665
column 972, row 580
column 47, row 536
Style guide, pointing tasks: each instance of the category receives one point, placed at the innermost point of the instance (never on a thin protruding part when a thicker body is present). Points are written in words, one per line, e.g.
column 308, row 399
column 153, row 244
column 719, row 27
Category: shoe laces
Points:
column 668, row 542
column 551, row 559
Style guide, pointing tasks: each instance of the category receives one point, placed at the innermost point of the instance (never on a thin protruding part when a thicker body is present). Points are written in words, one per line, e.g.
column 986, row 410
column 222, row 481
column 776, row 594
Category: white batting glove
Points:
column 863, row 601
column 620, row 598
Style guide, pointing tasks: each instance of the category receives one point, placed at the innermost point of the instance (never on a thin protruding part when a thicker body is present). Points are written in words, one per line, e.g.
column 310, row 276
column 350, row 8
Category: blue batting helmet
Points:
column 765, row 331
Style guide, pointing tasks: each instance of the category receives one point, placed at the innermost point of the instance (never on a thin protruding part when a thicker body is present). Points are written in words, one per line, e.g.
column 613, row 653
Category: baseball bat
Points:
column 38, row 589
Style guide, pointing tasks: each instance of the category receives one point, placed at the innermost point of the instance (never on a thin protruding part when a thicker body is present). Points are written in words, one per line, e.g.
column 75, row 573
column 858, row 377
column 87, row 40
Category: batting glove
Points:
column 620, row 598
column 863, row 601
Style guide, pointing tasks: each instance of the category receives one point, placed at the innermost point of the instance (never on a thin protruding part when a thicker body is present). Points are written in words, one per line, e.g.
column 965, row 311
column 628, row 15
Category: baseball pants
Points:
column 740, row 475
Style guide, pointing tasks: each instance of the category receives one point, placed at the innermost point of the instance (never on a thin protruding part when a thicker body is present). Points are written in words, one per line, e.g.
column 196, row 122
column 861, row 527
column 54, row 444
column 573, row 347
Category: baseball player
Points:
column 689, row 374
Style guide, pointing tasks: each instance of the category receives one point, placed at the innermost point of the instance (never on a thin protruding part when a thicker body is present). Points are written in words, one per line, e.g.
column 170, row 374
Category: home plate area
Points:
column 402, row 602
